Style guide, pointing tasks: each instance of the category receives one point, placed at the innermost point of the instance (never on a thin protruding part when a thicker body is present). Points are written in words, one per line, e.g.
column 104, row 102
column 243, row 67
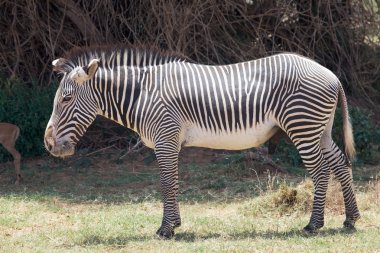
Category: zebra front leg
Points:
column 167, row 157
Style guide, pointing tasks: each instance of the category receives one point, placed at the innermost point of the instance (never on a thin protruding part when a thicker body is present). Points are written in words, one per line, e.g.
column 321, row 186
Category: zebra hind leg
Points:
column 318, row 168
column 168, row 163
column 341, row 169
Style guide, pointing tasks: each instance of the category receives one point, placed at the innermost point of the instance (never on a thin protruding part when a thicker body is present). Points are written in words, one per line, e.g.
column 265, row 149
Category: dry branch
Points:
column 81, row 19
column 340, row 34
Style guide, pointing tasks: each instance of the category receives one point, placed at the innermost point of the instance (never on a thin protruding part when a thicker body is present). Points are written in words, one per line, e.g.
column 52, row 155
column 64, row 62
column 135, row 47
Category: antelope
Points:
column 8, row 136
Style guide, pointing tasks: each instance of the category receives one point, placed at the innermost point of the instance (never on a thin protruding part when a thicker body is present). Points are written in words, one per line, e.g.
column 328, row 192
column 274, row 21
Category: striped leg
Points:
column 317, row 166
column 341, row 168
column 167, row 156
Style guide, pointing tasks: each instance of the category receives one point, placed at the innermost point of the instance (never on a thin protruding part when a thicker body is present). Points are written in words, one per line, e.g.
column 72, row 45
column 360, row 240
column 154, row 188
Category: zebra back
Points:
column 112, row 56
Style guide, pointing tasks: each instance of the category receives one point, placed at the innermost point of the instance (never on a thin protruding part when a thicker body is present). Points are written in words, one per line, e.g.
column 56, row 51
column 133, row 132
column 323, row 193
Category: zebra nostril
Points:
column 49, row 138
column 48, row 146
column 49, row 143
column 65, row 144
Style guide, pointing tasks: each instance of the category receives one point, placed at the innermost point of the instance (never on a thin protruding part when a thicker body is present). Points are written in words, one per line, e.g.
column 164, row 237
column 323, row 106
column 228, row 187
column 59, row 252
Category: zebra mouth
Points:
column 62, row 149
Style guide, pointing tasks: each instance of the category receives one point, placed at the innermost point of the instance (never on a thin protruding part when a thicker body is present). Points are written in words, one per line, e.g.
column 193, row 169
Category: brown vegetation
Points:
column 342, row 35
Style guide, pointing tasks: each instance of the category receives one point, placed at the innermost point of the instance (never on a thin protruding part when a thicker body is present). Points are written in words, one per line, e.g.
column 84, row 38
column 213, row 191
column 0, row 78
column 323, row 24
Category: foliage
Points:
column 104, row 133
column 366, row 132
column 287, row 154
column 29, row 107
column 342, row 35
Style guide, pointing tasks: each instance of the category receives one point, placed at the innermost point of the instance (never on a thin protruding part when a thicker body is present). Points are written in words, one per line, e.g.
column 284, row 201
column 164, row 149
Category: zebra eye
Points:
column 66, row 98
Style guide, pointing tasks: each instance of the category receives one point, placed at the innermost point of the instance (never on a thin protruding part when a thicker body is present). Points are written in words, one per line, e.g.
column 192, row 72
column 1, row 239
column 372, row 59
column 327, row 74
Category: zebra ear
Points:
column 83, row 74
column 91, row 68
column 57, row 64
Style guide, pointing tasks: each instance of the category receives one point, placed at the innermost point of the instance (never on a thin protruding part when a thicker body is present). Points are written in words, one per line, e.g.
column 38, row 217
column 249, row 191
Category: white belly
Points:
column 195, row 136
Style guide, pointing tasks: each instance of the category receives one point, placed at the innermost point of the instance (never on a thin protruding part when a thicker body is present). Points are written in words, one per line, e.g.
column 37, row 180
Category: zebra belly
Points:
column 240, row 139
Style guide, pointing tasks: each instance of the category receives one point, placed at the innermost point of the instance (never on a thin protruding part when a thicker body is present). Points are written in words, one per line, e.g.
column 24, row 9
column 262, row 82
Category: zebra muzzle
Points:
column 59, row 148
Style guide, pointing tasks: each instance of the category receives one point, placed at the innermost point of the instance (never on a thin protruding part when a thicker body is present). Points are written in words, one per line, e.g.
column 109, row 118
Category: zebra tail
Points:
column 349, row 142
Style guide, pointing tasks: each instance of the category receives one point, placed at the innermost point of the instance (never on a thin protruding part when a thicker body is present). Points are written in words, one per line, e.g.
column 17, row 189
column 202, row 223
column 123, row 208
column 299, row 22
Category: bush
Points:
column 366, row 134
column 29, row 107
column 341, row 35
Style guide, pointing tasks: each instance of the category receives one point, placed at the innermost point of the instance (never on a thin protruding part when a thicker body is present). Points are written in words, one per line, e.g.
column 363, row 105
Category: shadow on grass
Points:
column 192, row 237
column 80, row 181
column 86, row 181
column 120, row 241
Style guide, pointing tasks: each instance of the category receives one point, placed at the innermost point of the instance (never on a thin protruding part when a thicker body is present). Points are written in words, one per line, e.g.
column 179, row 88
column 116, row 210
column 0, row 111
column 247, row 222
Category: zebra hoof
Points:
column 177, row 224
column 165, row 234
column 310, row 229
column 349, row 225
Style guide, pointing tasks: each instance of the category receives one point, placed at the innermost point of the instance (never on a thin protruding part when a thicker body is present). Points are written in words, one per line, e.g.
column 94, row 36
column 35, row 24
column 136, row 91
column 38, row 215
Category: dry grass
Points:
column 53, row 224
column 98, row 206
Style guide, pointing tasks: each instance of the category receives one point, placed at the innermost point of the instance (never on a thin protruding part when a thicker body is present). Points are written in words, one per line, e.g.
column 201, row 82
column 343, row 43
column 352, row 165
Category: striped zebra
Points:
column 171, row 102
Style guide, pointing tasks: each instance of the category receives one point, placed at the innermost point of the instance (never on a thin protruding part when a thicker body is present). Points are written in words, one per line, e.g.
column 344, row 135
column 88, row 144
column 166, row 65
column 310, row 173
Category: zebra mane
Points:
column 135, row 56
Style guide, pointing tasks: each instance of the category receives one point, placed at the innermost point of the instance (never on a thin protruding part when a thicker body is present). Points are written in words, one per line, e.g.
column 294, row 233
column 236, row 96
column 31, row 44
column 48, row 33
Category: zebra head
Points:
column 74, row 109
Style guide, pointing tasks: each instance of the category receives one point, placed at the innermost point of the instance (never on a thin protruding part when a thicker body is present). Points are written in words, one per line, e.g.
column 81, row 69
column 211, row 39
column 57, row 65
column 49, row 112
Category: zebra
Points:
column 171, row 102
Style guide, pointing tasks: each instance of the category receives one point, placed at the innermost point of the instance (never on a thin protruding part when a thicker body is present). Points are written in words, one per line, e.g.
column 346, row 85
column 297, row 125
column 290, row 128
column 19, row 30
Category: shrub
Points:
column 341, row 35
column 29, row 107
column 366, row 134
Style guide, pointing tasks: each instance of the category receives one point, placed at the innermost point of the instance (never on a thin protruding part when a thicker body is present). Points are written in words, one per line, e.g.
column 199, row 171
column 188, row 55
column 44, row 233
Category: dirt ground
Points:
column 105, row 172
column 106, row 165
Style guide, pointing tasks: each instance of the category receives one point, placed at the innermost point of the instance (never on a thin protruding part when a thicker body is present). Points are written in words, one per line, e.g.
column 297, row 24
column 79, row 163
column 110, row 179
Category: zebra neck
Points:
column 117, row 90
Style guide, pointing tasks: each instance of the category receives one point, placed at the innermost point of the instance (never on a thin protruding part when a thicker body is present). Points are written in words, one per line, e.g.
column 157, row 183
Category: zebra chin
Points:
column 63, row 150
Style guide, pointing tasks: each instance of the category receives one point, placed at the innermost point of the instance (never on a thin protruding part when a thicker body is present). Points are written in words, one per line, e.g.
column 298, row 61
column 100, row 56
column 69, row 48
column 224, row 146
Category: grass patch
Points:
column 236, row 206
column 61, row 226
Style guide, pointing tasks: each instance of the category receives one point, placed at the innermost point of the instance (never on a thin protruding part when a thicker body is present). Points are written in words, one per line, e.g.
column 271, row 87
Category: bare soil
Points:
column 105, row 173
column 48, row 170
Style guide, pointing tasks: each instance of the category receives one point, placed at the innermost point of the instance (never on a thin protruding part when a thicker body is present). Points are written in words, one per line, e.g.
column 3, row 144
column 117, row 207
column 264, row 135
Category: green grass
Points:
column 102, row 206
column 52, row 224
